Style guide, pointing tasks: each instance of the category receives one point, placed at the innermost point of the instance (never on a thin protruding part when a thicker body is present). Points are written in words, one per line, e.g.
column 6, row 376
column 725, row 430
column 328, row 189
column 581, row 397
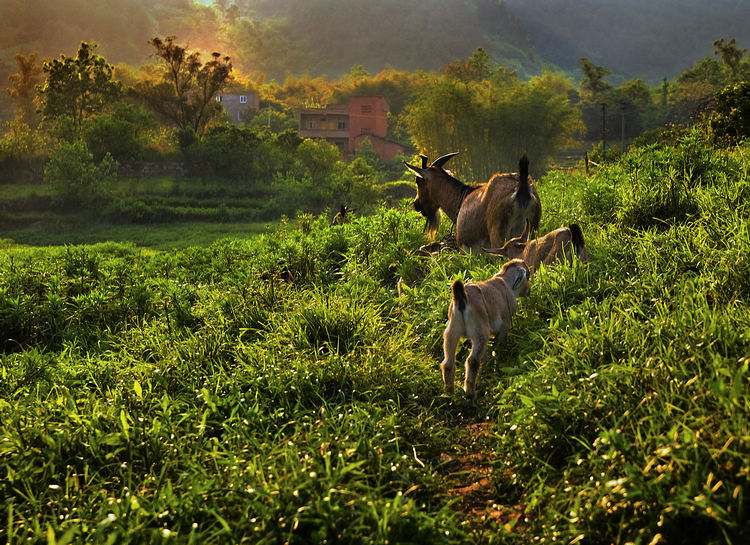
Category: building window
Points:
column 311, row 124
column 366, row 108
column 342, row 124
column 243, row 99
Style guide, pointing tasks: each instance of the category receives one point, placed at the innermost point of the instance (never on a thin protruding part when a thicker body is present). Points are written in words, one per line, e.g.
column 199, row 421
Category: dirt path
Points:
column 475, row 476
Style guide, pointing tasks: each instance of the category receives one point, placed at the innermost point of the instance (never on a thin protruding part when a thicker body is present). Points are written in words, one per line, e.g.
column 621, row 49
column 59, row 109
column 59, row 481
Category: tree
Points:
column 477, row 67
column 492, row 125
column 185, row 94
column 592, row 83
column 731, row 55
column 706, row 69
column 23, row 86
column 78, row 87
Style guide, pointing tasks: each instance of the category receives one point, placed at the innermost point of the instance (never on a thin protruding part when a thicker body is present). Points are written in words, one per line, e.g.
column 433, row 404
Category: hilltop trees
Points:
column 184, row 91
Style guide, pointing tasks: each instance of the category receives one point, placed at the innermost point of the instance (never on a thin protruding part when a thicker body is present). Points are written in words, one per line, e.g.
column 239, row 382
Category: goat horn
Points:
column 440, row 161
column 415, row 170
column 425, row 161
column 493, row 251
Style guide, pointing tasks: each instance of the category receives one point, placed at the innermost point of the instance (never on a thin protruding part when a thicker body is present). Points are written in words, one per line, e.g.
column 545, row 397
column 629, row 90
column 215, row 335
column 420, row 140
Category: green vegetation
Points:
column 190, row 352
column 276, row 389
column 492, row 118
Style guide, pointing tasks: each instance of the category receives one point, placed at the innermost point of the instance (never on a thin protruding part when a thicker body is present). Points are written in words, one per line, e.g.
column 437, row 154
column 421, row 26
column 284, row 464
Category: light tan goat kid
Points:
column 558, row 245
column 479, row 310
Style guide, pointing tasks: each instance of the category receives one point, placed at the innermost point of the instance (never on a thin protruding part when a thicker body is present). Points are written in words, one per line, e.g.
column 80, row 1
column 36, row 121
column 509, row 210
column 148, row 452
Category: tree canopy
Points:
column 78, row 87
column 185, row 89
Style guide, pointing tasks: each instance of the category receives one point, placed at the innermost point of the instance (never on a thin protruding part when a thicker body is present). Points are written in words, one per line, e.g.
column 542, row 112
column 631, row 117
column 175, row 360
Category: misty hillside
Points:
column 640, row 38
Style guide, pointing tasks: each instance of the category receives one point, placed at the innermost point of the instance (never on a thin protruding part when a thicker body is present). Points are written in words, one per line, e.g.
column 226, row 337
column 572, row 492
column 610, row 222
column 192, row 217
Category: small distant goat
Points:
column 341, row 216
column 477, row 311
column 484, row 214
column 560, row 244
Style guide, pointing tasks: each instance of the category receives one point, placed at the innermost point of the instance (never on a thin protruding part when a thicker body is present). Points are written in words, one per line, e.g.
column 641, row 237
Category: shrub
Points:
column 21, row 153
column 76, row 177
column 233, row 152
column 731, row 123
column 122, row 134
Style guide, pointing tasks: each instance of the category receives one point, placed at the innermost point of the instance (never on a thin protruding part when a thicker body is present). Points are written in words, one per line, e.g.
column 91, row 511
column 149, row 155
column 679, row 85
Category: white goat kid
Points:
column 479, row 310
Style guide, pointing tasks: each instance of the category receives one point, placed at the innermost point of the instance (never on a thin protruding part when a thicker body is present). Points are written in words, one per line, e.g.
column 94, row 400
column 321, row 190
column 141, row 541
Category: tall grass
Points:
column 275, row 389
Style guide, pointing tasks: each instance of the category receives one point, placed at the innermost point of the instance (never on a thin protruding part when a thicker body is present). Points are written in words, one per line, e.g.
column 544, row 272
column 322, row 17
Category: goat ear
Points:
column 520, row 278
column 425, row 161
column 440, row 161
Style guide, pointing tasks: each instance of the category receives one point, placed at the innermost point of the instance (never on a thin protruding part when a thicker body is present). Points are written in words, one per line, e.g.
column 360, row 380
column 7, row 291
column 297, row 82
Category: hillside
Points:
column 645, row 39
column 637, row 39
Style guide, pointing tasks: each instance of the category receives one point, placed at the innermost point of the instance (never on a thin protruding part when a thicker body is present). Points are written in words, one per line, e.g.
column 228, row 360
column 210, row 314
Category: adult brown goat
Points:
column 484, row 214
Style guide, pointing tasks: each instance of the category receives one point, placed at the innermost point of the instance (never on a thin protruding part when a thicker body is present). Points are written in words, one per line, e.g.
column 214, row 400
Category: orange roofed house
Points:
column 347, row 125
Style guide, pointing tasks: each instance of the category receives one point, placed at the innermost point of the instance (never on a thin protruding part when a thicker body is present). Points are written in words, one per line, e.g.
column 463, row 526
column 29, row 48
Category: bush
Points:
column 78, row 180
column 731, row 123
column 234, row 153
column 122, row 134
column 21, row 153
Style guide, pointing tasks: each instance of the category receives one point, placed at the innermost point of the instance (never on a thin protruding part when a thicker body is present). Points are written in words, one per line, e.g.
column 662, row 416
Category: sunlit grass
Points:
column 225, row 386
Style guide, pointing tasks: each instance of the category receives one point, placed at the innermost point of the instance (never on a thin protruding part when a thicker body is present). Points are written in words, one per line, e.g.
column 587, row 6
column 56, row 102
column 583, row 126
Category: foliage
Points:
column 123, row 134
column 592, row 83
column 278, row 390
column 23, row 87
column 276, row 120
column 231, row 152
column 78, row 87
column 76, row 177
column 731, row 122
column 731, row 55
column 184, row 94
column 492, row 123
column 20, row 152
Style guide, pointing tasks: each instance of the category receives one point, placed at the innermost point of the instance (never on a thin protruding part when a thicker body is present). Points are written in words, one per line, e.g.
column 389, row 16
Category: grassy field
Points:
column 161, row 212
column 275, row 389
column 157, row 236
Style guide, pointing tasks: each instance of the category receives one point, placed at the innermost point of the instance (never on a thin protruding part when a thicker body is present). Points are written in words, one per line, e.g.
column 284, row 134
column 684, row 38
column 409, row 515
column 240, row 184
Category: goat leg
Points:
column 474, row 363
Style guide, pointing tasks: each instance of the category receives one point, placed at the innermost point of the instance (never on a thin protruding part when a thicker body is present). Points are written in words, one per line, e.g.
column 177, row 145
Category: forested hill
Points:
column 321, row 37
column 640, row 38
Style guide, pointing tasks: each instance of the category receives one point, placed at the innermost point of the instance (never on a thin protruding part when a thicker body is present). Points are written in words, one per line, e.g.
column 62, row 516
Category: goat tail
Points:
column 577, row 239
column 459, row 295
column 523, row 169
column 523, row 193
